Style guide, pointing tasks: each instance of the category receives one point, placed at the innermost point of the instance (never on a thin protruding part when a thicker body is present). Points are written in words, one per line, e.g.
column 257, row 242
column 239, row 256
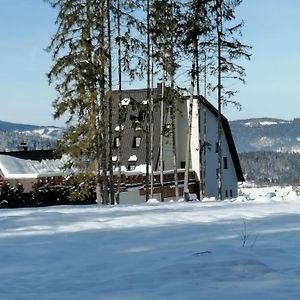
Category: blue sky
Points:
column 272, row 27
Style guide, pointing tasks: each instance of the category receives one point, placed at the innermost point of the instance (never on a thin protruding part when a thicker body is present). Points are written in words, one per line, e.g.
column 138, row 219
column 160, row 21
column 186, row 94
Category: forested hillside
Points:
column 266, row 134
column 269, row 149
column 10, row 141
column 268, row 166
column 36, row 137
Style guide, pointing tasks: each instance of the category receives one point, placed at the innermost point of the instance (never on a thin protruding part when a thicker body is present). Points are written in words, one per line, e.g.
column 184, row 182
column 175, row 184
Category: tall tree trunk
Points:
column 161, row 142
column 204, row 128
column 103, row 107
column 173, row 120
column 95, row 109
column 219, row 89
column 119, row 110
column 148, row 101
column 189, row 132
column 199, row 104
column 174, row 149
column 152, row 130
column 110, row 99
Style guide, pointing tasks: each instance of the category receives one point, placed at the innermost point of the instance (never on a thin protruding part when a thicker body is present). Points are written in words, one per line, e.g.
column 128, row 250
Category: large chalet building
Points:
column 23, row 166
column 133, row 143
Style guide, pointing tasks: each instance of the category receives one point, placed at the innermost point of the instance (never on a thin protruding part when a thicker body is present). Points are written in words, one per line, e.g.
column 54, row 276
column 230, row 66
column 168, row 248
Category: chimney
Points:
column 23, row 146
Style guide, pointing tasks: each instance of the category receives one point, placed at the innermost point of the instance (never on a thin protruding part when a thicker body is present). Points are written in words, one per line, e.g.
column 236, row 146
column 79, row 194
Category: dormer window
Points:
column 133, row 158
column 142, row 115
column 136, row 142
column 125, row 101
column 131, row 167
column 116, row 143
column 119, row 127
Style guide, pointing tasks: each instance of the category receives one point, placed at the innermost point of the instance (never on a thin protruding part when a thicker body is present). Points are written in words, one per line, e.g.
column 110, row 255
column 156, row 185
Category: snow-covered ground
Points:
column 245, row 248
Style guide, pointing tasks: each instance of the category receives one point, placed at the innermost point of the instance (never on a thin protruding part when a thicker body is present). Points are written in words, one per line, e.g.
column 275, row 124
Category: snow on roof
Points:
column 12, row 167
column 125, row 101
column 132, row 158
column 118, row 128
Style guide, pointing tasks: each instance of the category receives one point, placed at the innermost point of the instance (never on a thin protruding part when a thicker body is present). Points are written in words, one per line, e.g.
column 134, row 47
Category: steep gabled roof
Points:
column 137, row 97
column 140, row 95
column 229, row 138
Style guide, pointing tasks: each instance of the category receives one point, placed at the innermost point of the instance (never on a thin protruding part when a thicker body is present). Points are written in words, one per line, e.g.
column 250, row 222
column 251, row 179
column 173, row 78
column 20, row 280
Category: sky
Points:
column 272, row 88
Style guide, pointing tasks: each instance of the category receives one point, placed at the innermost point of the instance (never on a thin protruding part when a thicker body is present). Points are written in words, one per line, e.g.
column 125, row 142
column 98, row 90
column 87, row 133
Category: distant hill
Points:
column 269, row 149
column 269, row 166
column 36, row 137
column 266, row 134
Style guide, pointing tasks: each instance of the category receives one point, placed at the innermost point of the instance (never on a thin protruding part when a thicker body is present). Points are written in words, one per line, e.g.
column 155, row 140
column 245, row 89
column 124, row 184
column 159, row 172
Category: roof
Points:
column 37, row 155
column 133, row 110
column 136, row 97
column 229, row 138
column 16, row 168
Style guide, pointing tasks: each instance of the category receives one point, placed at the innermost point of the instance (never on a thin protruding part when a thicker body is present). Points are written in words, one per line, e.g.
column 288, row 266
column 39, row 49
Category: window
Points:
column 231, row 194
column 142, row 115
column 131, row 167
column 225, row 162
column 182, row 164
column 217, row 147
column 226, row 194
column 136, row 142
column 116, row 143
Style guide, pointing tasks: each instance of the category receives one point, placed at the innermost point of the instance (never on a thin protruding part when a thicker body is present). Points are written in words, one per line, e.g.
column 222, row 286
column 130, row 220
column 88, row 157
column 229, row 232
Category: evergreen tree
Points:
column 167, row 19
column 228, row 50
column 80, row 59
column 197, row 27
column 110, row 105
column 82, row 72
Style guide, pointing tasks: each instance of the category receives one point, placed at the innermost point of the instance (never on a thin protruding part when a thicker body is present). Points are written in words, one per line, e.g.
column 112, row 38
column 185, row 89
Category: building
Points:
column 30, row 167
column 133, row 141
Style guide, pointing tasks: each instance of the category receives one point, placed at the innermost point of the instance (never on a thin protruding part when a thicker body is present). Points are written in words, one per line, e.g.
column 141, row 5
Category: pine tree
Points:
column 82, row 72
column 130, row 51
column 148, row 7
column 79, row 57
column 167, row 21
column 228, row 50
column 110, row 105
column 196, row 28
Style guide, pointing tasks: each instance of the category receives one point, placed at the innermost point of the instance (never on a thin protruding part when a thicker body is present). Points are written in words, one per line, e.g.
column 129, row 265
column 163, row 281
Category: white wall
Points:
column 229, row 182
column 181, row 135
column 210, row 168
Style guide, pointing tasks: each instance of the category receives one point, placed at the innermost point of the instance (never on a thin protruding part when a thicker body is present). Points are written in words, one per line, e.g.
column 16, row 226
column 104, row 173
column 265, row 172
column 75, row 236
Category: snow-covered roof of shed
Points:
column 16, row 168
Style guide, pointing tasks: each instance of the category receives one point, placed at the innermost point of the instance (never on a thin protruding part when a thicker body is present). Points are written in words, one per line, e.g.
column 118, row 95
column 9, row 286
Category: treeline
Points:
column 75, row 193
column 274, row 167
column 101, row 44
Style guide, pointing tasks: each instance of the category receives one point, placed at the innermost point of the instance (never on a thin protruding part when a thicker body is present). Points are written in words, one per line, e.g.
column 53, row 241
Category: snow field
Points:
column 155, row 251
